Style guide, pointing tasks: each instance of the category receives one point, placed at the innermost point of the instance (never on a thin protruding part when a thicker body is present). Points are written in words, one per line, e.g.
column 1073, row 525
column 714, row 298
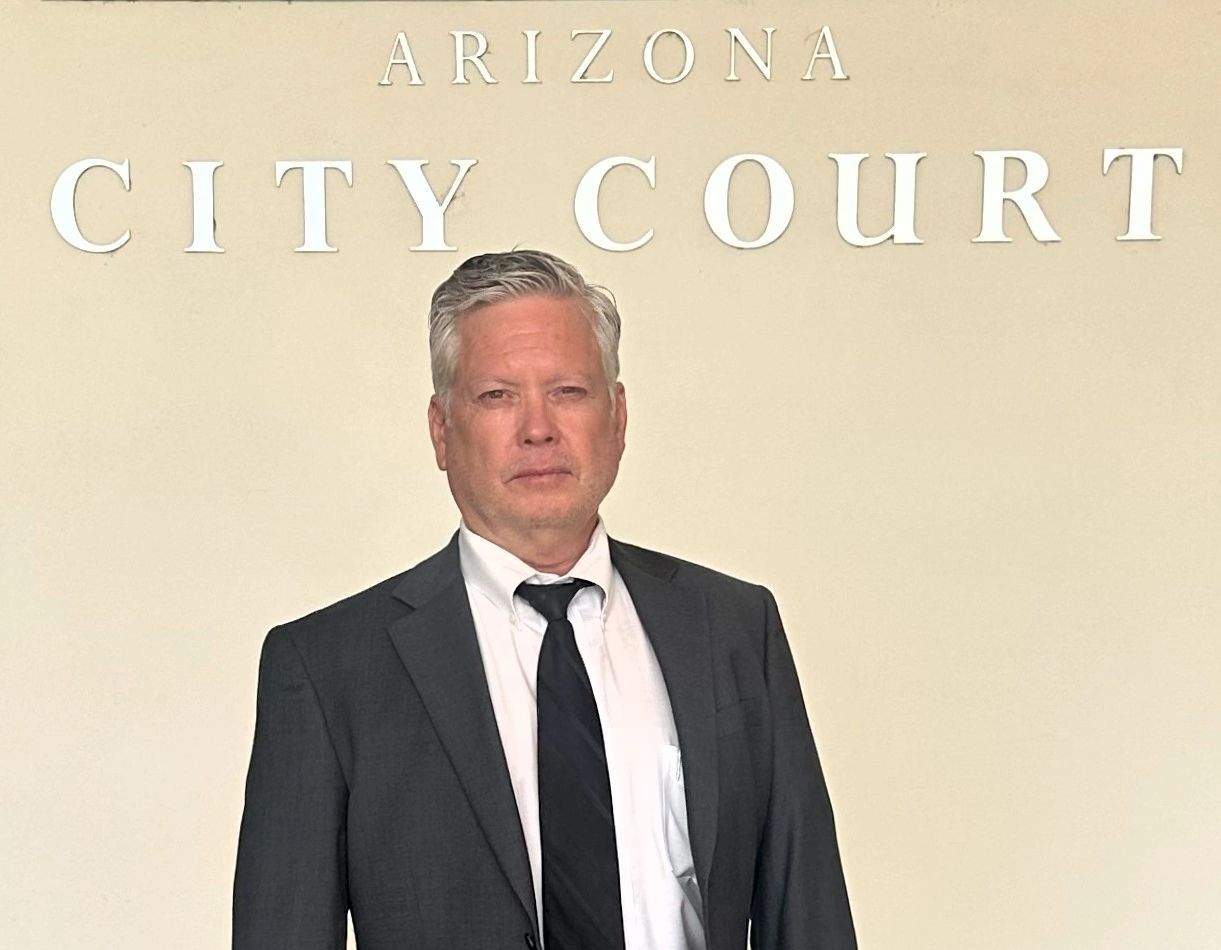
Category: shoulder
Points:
column 739, row 613
column 338, row 635
column 686, row 573
column 364, row 617
column 363, row 606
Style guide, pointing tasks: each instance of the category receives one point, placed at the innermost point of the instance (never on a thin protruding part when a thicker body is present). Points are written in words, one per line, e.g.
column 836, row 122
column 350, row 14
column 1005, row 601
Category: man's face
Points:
column 532, row 438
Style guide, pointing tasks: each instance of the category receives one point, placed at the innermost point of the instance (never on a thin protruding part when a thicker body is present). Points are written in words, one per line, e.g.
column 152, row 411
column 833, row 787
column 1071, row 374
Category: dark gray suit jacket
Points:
column 378, row 781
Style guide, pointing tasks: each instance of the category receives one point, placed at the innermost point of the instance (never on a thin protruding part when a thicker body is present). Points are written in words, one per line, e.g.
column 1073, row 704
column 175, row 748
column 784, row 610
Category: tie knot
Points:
column 551, row 600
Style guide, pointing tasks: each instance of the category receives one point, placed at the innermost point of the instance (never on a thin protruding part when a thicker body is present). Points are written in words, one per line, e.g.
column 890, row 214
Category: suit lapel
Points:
column 438, row 646
column 676, row 622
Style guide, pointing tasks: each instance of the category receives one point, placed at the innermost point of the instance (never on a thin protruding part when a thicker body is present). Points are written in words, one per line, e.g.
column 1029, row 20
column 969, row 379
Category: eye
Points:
column 572, row 392
column 492, row 395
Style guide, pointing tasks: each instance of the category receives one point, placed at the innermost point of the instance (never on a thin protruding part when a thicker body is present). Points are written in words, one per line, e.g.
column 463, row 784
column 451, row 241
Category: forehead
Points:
column 532, row 327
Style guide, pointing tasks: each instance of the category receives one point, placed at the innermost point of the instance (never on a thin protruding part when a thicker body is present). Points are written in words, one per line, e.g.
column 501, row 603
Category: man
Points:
column 539, row 736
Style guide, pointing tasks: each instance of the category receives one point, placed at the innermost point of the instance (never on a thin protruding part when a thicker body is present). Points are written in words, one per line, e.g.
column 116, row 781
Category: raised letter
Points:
column 579, row 75
column 432, row 212
column 462, row 57
column 401, row 46
column 531, row 55
column 313, row 197
column 203, row 208
column 716, row 200
column 688, row 56
column 585, row 204
column 903, row 220
column 837, row 68
column 763, row 64
column 1140, row 190
column 63, row 204
column 992, row 229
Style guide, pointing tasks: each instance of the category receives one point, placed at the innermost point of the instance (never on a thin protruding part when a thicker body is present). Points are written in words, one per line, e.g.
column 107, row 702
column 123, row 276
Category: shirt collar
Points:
column 496, row 573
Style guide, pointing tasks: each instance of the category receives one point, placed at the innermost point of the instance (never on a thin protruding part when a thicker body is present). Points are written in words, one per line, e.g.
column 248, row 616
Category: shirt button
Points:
column 530, row 941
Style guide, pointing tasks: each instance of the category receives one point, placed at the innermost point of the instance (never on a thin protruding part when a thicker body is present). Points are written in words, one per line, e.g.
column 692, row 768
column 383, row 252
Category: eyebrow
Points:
column 480, row 382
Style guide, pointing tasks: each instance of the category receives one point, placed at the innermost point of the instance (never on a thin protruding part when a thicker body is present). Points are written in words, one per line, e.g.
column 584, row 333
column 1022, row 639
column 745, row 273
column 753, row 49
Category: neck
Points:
column 548, row 551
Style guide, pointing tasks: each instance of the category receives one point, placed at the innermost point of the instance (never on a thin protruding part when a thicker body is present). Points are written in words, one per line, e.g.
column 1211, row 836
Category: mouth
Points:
column 540, row 475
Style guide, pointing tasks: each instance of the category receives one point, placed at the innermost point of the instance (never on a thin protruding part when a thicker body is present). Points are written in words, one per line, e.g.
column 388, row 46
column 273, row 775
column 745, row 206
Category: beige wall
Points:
column 981, row 479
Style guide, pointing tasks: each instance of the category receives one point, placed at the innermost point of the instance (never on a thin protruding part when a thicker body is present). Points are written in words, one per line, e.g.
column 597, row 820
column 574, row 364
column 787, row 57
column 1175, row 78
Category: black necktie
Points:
column 581, row 907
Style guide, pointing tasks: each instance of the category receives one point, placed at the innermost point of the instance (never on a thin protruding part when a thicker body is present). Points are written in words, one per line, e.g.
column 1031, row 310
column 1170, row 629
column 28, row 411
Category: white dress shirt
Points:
column 658, row 887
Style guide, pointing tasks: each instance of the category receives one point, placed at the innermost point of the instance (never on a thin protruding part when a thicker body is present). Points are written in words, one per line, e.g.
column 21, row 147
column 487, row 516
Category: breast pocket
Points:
column 674, row 814
column 737, row 716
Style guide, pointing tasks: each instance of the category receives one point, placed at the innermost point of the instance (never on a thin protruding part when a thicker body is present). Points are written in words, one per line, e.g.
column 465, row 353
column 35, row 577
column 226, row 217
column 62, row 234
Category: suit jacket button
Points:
column 530, row 941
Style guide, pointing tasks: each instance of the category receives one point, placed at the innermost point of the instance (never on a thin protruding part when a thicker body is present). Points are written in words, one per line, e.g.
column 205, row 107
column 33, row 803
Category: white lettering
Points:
column 847, row 199
column 762, row 63
column 531, row 55
column 432, row 212
column 992, row 229
column 313, row 198
column 831, row 55
column 688, row 56
column 580, row 74
column 63, row 204
column 400, row 55
column 585, row 203
column 1140, row 189
column 716, row 201
column 462, row 57
column 203, row 208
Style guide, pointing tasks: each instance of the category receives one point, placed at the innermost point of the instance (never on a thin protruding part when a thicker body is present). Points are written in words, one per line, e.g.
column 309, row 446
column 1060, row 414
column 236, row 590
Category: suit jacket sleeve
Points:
column 800, row 901
column 290, row 888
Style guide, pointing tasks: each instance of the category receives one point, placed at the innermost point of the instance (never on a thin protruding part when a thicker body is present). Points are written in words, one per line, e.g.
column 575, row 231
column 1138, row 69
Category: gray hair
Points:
column 492, row 278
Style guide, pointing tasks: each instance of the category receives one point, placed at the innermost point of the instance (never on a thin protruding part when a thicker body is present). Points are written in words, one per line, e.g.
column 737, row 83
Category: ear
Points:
column 436, row 429
column 620, row 416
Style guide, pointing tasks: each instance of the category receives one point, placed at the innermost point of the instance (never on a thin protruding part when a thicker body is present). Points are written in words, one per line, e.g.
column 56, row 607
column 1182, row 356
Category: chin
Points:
column 554, row 516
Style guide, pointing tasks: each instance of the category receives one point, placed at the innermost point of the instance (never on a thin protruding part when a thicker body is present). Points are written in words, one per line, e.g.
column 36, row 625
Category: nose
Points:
column 537, row 424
